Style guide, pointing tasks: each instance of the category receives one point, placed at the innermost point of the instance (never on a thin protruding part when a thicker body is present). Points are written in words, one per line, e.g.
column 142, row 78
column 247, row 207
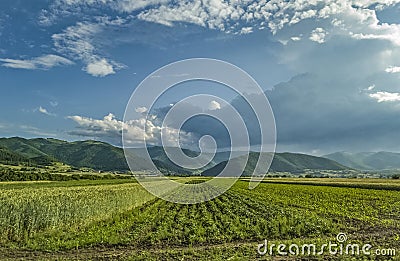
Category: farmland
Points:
column 118, row 218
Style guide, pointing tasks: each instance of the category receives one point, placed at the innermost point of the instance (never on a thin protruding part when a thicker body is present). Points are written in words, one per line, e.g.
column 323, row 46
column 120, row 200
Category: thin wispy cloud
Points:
column 78, row 42
column 45, row 111
column 54, row 103
column 36, row 131
column 44, row 62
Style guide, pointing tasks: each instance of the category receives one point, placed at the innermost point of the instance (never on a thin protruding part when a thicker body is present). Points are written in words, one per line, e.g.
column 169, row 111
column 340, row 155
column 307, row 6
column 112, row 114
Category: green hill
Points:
column 90, row 154
column 21, row 146
column 12, row 158
column 23, row 150
column 367, row 160
column 282, row 162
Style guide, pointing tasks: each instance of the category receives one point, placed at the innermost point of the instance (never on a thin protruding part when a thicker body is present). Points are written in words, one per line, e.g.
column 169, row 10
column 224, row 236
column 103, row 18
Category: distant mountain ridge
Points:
column 282, row 162
column 103, row 156
column 367, row 160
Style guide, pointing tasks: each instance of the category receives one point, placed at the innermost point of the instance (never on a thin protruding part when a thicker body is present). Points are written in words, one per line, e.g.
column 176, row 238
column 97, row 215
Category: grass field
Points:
column 109, row 219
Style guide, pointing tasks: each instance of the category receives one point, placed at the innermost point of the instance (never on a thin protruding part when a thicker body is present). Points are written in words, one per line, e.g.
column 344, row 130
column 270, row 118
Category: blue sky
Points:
column 330, row 68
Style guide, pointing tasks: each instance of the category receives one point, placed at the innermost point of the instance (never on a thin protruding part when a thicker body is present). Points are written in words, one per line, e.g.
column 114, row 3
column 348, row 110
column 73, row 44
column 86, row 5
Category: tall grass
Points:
column 25, row 211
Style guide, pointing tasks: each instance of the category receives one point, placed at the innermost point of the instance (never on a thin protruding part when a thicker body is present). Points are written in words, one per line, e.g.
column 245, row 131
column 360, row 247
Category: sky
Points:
column 330, row 69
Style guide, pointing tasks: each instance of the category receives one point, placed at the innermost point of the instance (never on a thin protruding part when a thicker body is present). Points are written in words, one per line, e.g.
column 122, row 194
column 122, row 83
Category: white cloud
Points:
column 45, row 111
column 295, row 38
column 63, row 7
column 393, row 69
column 246, row 30
column 235, row 15
column 214, row 105
column 108, row 126
column 356, row 19
column 213, row 14
column 283, row 42
column 18, row 64
column 318, row 35
column 385, row 96
column 389, row 35
column 184, row 12
column 141, row 110
column 133, row 130
column 348, row 17
column 99, row 68
column 133, row 5
column 42, row 62
column 370, row 88
column 78, row 42
column 51, row 60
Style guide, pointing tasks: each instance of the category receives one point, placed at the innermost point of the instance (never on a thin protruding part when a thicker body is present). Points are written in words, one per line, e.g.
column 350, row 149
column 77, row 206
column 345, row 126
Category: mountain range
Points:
column 282, row 162
column 367, row 160
column 103, row 156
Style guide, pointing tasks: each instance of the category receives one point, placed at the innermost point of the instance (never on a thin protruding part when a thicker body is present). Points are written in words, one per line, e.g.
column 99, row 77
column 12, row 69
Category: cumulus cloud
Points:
column 393, row 69
column 135, row 131
column 385, row 96
column 318, row 35
column 42, row 62
column 99, row 68
column 358, row 18
column 211, row 14
column 106, row 127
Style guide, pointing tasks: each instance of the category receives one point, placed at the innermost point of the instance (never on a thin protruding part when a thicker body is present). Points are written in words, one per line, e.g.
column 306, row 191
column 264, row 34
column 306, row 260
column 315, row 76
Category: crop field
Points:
column 118, row 219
